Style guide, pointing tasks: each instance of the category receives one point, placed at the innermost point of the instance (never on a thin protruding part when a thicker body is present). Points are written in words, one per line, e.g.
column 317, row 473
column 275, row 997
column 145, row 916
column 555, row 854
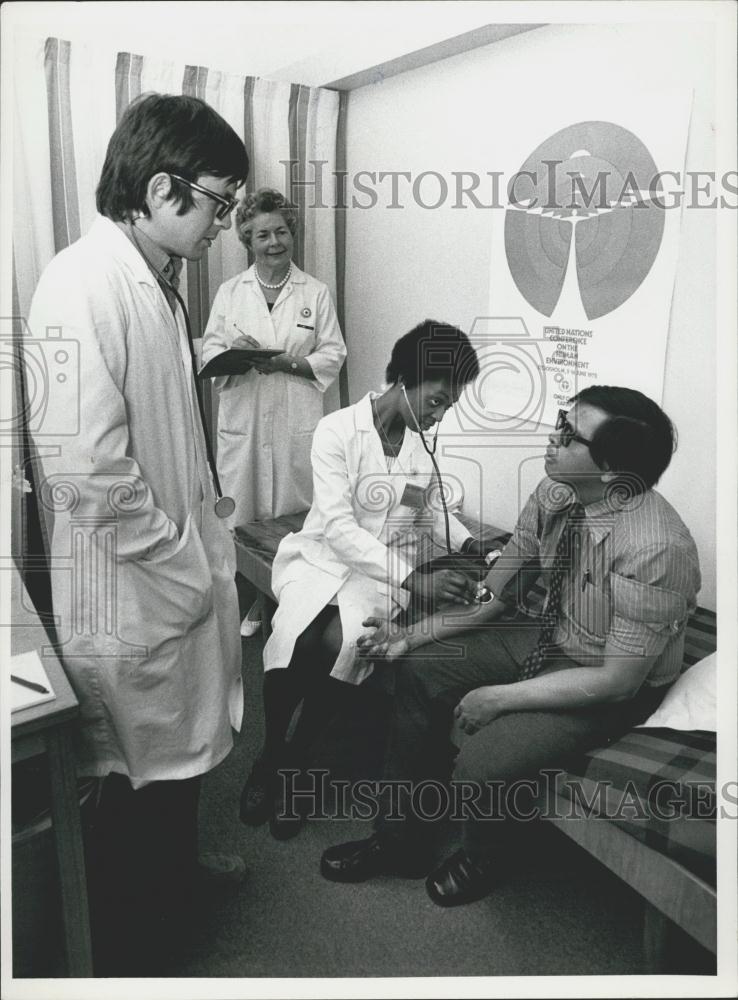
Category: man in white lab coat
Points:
column 148, row 613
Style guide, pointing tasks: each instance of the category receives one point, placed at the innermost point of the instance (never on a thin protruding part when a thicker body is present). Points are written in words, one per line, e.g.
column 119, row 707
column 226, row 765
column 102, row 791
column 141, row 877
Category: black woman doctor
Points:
column 357, row 554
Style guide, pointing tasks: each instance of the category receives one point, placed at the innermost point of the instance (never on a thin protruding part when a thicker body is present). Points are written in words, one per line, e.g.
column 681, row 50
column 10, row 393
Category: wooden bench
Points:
column 256, row 547
column 677, row 886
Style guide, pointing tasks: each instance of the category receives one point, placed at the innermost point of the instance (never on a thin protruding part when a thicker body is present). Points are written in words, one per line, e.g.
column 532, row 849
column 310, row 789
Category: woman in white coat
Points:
column 267, row 416
column 357, row 553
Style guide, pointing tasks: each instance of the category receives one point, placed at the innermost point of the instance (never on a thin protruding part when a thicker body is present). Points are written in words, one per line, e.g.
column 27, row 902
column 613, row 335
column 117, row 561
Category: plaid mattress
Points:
column 659, row 786
column 701, row 636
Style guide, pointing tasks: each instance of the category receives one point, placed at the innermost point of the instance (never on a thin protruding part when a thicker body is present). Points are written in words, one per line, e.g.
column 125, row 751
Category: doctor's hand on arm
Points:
column 442, row 585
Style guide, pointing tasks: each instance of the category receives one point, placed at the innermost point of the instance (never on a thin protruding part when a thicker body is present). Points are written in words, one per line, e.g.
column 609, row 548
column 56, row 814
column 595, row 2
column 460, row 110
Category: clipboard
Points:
column 236, row 361
column 28, row 667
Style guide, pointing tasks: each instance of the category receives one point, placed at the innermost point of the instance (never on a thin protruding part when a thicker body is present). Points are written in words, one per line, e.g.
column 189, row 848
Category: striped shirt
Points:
column 633, row 577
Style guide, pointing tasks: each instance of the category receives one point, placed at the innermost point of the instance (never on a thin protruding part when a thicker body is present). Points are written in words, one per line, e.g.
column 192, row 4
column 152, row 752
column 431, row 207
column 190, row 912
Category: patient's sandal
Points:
column 460, row 879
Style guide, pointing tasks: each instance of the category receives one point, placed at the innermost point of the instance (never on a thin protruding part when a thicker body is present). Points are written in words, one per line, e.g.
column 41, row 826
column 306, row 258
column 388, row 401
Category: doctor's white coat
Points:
column 266, row 422
column 360, row 539
column 142, row 569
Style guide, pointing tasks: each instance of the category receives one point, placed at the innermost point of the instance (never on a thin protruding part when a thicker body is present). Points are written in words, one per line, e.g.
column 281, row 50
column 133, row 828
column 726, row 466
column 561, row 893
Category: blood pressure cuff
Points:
column 472, row 566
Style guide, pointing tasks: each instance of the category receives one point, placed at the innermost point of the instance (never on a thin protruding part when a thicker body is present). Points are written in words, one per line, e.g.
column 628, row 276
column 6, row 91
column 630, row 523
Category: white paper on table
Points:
column 29, row 667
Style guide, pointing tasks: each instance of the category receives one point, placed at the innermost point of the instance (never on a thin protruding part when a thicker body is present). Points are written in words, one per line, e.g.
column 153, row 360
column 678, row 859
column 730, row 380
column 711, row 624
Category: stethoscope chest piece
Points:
column 225, row 506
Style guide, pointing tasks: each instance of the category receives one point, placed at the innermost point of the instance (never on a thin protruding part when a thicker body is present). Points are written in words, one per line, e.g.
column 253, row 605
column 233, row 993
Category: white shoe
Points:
column 249, row 628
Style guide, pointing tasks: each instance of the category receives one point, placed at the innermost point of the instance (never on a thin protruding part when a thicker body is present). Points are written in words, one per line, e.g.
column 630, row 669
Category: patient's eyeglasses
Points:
column 567, row 434
column 226, row 204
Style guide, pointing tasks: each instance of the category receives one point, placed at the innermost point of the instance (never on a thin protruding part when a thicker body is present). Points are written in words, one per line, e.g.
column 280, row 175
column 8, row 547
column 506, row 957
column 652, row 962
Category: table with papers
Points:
column 44, row 728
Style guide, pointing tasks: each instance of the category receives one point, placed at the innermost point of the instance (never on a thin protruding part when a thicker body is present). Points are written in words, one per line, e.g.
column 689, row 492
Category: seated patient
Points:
column 622, row 575
column 357, row 552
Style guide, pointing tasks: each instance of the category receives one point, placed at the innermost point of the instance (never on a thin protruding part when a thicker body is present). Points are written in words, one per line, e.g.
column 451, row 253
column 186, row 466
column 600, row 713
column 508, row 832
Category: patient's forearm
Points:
column 451, row 622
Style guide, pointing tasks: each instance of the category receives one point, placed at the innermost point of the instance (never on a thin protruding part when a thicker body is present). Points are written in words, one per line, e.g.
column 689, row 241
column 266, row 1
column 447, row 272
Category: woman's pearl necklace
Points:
column 279, row 284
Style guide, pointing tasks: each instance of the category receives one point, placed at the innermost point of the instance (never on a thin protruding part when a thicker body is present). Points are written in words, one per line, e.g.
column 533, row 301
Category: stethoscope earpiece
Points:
column 431, row 451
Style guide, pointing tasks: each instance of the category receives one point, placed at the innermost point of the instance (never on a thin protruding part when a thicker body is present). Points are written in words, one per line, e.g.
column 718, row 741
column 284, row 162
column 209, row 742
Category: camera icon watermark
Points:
column 412, row 508
column 523, row 380
column 41, row 368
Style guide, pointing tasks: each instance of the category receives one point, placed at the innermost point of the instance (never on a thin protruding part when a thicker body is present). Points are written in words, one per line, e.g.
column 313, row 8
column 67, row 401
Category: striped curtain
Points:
column 68, row 106
column 67, row 101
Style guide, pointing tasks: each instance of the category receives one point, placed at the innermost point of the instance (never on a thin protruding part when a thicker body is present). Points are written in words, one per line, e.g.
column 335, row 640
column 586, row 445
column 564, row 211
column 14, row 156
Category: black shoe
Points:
column 286, row 819
column 256, row 798
column 359, row 860
column 459, row 880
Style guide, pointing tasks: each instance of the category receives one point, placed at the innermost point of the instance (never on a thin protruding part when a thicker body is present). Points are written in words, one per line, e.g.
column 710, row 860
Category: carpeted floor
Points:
column 556, row 911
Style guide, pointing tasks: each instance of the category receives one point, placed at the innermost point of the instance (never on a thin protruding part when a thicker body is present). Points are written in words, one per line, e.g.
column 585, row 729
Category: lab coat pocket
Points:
column 305, row 407
column 165, row 598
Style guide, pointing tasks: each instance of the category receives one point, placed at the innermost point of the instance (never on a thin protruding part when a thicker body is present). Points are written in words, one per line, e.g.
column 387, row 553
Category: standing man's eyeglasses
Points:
column 226, row 204
column 567, row 434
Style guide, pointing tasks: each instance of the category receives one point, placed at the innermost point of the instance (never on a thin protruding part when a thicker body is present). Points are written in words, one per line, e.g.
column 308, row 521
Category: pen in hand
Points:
column 29, row 684
column 244, row 341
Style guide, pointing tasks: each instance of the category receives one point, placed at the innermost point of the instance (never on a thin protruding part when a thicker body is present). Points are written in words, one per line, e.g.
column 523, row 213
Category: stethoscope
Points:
column 483, row 593
column 224, row 506
column 431, row 452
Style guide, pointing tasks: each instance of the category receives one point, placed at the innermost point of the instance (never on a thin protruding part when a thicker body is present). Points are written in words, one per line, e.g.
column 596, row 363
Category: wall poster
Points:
column 584, row 253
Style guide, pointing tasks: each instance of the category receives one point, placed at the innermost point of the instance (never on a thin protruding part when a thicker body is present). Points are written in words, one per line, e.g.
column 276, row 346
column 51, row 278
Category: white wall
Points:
column 300, row 42
column 405, row 265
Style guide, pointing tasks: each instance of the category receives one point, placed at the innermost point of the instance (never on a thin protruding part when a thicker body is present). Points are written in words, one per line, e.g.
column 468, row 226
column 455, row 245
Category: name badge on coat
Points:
column 413, row 496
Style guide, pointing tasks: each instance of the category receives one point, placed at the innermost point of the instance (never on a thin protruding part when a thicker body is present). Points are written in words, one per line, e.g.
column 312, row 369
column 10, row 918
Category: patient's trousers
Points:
column 514, row 746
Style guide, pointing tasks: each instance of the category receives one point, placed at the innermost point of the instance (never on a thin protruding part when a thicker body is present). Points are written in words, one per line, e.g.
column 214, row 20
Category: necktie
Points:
column 171, row 275
column 562, row 566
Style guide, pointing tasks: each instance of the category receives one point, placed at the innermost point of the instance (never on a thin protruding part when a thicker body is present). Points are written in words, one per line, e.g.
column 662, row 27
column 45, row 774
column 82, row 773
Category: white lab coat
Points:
column 266, row 422
column 142, row 569
column 360, row 538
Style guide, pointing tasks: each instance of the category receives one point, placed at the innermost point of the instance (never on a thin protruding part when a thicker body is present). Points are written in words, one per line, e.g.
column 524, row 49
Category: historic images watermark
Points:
column 554, row 794
column 564, row 191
